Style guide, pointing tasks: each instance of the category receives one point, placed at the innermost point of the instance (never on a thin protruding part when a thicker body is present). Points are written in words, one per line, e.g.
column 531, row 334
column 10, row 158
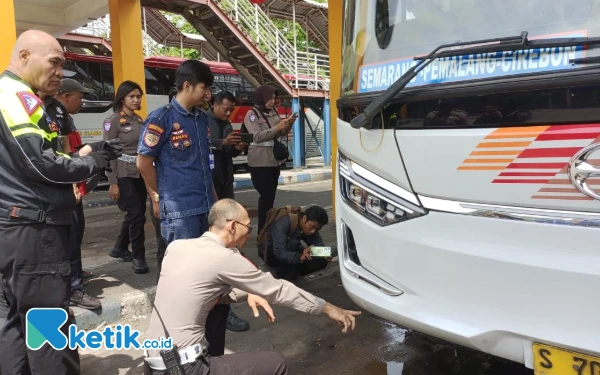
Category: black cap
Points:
column 71, row 85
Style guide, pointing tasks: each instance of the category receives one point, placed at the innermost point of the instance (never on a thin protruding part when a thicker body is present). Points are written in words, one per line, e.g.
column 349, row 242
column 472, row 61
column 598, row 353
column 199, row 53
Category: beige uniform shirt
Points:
column 127, row 129
column 260, row 152
column 198, row 273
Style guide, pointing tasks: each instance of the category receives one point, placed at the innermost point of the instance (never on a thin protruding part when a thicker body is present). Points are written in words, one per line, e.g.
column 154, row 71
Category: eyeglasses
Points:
column 245, row 225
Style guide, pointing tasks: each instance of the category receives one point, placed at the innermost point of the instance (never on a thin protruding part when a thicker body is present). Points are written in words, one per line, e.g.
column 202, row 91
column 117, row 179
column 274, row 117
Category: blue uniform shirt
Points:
column 178, row 140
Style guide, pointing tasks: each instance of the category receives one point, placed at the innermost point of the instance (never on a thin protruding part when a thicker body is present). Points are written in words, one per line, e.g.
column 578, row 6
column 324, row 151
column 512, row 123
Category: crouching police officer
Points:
column 36, row 203
column 199, row 273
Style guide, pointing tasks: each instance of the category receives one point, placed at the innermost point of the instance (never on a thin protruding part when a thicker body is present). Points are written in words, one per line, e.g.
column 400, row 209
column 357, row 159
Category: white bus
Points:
column 468, row 186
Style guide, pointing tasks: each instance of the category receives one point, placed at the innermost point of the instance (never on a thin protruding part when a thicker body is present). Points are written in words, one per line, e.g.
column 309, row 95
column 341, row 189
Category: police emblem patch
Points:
column 252, row 117
column 107, row 125
column 53, row 126
column 29, row 101
column 151, row 139
column 176, row 126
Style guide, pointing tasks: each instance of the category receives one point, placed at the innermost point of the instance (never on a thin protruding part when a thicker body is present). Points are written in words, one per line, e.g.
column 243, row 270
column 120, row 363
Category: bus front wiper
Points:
column 511, row 43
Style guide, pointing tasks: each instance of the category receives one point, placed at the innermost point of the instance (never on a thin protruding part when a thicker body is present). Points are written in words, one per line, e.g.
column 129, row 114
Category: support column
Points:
column 127, row 44
column 302, row 119
column 326, row 133
column 297, row 135
column 335, row 79
column 8, row 32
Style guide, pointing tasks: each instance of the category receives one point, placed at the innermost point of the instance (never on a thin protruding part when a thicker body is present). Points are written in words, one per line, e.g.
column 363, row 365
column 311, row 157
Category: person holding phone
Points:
column 264, row 123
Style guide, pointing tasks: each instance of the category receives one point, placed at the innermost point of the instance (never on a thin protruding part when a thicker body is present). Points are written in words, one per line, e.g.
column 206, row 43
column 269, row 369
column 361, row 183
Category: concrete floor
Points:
column 312, row 344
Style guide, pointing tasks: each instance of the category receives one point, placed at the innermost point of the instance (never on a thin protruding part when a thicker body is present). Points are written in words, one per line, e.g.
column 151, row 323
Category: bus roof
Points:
column 156, row 62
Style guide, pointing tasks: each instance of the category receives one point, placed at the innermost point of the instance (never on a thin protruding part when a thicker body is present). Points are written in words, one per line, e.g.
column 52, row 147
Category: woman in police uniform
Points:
column 127, row 186
column 264, row 123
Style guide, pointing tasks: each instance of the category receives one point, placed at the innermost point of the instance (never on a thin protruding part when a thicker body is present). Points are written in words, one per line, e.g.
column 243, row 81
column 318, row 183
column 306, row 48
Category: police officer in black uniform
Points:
column 36, row 203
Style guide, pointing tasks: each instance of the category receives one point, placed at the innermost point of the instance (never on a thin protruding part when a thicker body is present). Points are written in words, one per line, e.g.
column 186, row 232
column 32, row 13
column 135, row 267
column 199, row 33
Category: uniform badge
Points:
column 252, row 118
column 127, row 129
column 122, row 113
column 107, row 125
column 151, row 138
column 59, row 110
column 53, row 126
column 186, row 143
column 176, row 126
column 122, row 120
column 29, row 101
column 140, row 120
column 156, row 128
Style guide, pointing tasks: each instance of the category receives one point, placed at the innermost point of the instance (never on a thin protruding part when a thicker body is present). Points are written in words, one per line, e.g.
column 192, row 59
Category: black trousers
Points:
column 224, row 190
column 265, row 181
column 161, row 246
column 36, row 274
column 76, row 238
column 132, row 201
column 248, row 363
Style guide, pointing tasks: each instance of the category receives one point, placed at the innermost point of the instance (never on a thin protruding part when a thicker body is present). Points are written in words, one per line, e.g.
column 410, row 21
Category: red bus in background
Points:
column 96, row 73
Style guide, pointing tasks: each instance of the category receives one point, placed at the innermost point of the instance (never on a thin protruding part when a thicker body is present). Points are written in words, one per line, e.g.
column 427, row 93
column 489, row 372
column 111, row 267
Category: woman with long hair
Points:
column 127, row 186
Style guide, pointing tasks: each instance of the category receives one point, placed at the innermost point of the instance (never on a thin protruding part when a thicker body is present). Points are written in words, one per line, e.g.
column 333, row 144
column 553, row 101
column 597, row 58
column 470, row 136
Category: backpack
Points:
column 273, row 215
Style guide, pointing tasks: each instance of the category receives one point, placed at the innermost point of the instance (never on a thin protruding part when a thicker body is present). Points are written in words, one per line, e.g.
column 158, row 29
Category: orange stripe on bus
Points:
column 488, row 161
column 481, row 168
column 502, row 144
column 488, row 153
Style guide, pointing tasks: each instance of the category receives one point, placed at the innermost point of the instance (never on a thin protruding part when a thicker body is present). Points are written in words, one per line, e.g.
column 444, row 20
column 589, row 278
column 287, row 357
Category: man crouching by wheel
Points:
column 201, row 272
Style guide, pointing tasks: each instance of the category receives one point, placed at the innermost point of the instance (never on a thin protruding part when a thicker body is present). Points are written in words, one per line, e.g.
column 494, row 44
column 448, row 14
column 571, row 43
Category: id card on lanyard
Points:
column 211, row 156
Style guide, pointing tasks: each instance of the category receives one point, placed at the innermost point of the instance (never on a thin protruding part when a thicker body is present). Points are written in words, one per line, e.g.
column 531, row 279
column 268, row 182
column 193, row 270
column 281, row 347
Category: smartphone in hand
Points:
column 320, row 251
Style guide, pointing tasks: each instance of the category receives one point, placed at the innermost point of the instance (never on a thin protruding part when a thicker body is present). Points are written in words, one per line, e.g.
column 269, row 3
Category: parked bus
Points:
column 467, row 194
column 96, row 72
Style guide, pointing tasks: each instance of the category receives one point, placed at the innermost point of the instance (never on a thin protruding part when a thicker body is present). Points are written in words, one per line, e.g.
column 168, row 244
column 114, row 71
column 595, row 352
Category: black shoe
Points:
column 81, row 299
column 236, row 324
column 140, row 265
column 121, row 254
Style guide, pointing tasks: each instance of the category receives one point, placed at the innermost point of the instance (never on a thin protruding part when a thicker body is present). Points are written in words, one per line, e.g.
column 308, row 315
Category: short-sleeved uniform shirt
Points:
column 179, row 141
column 128, row 129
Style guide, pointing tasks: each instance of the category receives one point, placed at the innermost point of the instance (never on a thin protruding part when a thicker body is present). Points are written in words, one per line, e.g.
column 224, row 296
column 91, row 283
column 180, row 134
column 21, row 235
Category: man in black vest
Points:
column 227, row 145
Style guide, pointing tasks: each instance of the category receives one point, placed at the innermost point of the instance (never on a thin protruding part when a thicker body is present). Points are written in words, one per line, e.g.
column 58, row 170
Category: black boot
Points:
column 139, row 265
column 236, row 324
column 121, row 254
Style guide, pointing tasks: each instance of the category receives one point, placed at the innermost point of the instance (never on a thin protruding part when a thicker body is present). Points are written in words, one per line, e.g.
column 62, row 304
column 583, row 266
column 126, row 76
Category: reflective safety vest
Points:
column 35, row 181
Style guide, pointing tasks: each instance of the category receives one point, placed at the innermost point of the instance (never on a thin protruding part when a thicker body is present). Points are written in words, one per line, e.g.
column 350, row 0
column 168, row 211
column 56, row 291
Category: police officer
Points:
column 175, row 159
column 264, row 123
column 36, row 203
column 127, row 186
column 202, row 272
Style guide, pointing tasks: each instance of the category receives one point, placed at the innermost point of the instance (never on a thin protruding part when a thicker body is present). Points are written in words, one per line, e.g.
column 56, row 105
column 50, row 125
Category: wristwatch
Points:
column 156, row 197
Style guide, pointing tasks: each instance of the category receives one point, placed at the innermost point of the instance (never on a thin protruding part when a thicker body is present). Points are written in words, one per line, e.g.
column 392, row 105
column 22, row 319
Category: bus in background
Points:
column 468, row 184
column 96, row 72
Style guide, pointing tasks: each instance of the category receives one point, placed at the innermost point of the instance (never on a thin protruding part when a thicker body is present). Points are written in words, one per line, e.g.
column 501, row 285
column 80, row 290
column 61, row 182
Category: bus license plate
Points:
column 550, row 360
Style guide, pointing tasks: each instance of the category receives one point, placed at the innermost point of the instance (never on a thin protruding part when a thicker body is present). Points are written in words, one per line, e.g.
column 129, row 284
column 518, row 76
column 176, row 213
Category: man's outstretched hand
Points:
column 255, row 301
column 341, row 316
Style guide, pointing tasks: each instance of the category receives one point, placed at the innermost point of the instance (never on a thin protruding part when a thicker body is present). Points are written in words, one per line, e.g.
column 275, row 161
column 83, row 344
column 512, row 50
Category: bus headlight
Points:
column 372, row 201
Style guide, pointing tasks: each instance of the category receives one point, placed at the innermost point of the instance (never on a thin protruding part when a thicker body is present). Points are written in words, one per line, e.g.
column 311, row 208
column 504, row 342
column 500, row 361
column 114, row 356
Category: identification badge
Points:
column 211, row 160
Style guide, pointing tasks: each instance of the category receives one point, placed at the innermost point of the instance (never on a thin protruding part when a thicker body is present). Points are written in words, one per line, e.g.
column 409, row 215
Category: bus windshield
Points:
column 381, row 38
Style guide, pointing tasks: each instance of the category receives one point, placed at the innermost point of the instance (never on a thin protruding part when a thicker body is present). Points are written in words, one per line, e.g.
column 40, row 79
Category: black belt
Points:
column 31, row 214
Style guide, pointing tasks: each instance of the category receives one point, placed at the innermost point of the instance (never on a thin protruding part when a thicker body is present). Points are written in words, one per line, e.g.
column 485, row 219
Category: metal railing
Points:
column 100, row 28
column 304, row 70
